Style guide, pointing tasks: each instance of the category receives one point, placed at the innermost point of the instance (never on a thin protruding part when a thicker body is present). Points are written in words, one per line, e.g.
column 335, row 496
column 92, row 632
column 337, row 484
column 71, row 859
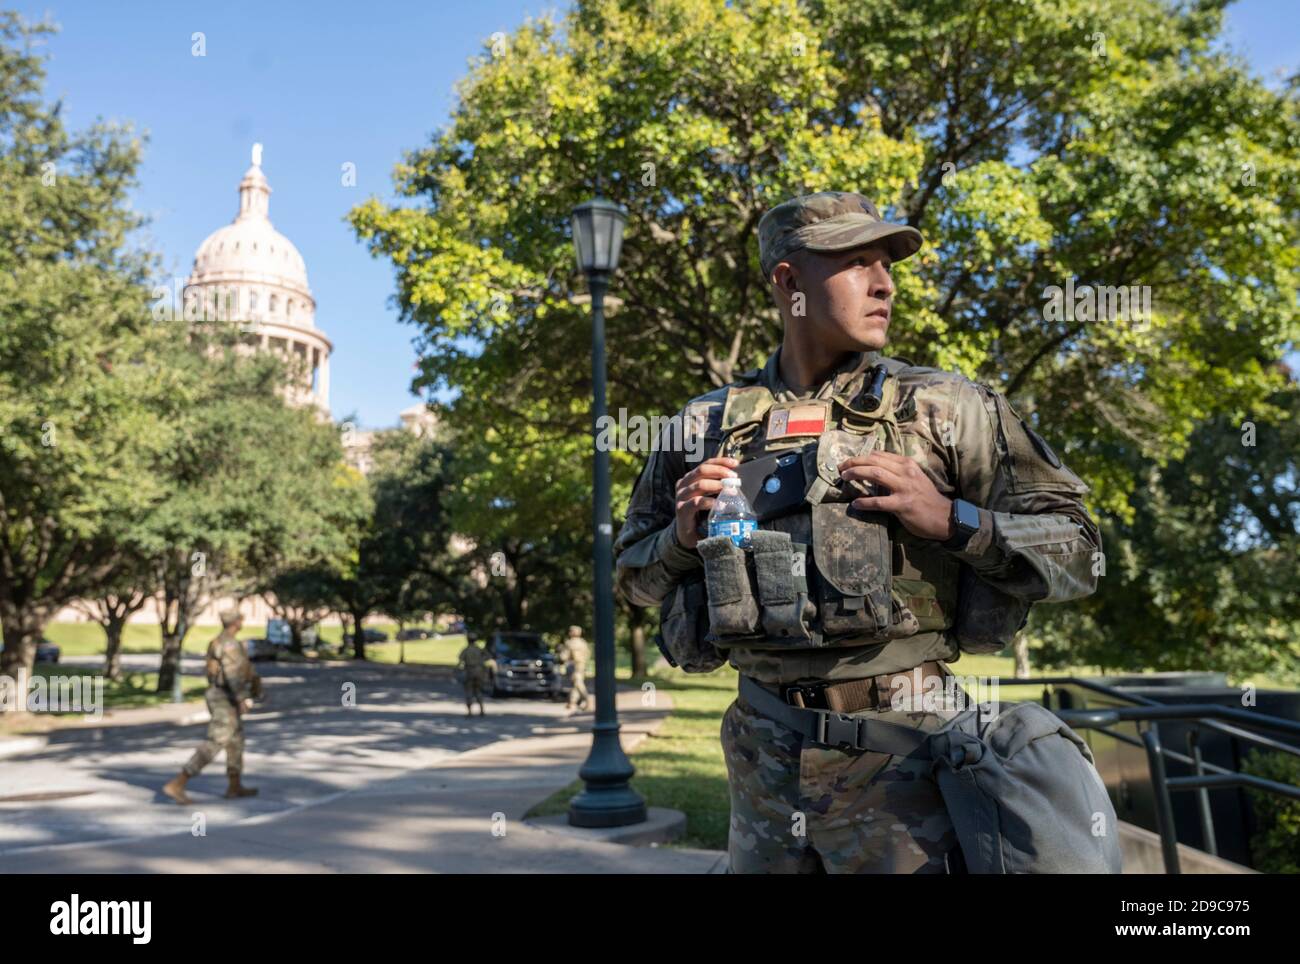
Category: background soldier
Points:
column 926, row 517
column 574, row 652
column 233, row 684
column 473, row 666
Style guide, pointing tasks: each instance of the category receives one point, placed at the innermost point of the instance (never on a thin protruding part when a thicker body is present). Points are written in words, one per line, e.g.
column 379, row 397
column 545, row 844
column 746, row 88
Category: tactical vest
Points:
column 825, row 575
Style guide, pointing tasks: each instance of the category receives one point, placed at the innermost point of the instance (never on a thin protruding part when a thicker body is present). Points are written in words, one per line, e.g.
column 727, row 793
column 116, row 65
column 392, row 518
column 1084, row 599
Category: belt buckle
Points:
column 838, row 730
column 809, row 691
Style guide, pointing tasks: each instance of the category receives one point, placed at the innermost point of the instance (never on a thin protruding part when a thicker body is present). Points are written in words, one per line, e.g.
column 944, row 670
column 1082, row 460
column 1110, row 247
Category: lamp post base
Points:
column 607, row 808
column 608, row 800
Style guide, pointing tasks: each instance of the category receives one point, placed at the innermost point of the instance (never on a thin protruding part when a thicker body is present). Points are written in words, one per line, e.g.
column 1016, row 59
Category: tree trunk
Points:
column 19, row 655
column 295, row 636
column 1022, row 656
column 171, row 661
column 358, row 640
column 180, row 600
column 113, row 649
column 636, row 640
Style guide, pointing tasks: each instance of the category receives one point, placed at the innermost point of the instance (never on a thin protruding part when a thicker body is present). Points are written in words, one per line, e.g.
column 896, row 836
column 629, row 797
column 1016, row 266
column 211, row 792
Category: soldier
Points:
column 233, row 685
column 925, row 518
column 574, row 652
column 473, row 666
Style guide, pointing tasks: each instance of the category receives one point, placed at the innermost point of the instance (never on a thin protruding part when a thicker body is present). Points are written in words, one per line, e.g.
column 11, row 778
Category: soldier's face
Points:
column 848, row 297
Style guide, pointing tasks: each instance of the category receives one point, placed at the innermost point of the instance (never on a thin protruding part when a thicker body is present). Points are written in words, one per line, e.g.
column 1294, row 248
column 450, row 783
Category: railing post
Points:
column 1202, row 794
column 1164, row 806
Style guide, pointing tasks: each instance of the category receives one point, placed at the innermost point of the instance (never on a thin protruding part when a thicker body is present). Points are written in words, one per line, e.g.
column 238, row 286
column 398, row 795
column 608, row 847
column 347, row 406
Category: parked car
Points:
column 47, row 652
column 524, row 664
column 415, row 633
column 369, row 635
column 261, row 649
column 279, row 633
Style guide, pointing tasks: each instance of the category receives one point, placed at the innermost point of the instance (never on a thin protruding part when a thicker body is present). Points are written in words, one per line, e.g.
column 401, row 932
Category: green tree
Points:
column 321, row 507
column 400, row 561
column 1207, row 572
column 253, row 483
column 1100, row 143
column 412, row 531
column 82, row 409
column 1027, row 148
column 124, row 592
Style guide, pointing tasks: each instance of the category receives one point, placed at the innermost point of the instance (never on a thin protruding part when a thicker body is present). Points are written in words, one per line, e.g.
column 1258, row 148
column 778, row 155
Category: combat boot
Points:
column 237, row 789
column 175, row 788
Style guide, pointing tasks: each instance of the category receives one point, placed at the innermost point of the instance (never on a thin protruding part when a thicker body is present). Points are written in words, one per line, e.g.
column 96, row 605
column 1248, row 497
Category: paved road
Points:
column 304, row 747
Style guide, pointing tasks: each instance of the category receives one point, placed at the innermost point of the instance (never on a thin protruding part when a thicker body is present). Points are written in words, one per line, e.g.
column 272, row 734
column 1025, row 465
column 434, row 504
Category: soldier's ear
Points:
column 786, row 280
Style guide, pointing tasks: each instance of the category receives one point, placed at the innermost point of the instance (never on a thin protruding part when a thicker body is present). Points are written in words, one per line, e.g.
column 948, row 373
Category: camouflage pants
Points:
column 225, row 732
column 579, row 692
column 473, row 686
column 797, row 807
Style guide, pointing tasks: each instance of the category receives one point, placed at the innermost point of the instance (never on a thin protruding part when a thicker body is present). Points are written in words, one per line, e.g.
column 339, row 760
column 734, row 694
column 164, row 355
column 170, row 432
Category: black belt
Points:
column 836, row 729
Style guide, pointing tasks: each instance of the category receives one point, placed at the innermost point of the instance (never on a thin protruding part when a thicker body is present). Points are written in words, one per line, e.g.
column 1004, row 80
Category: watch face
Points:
column 968, row 516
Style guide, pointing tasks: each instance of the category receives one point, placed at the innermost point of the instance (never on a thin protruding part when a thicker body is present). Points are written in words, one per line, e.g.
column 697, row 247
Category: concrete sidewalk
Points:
column 460, row 815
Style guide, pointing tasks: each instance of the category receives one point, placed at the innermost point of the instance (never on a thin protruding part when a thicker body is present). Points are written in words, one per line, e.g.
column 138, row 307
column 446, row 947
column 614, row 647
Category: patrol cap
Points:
column 829, row 221
column 229, row 617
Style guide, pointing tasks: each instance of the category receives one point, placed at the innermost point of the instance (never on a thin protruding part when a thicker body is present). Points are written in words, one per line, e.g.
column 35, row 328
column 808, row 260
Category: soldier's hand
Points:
column 695, row 494
column 246, row 705
column 907, row 492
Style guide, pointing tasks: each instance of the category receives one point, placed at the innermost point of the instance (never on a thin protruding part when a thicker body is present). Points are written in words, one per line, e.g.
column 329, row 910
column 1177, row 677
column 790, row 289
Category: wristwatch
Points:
column 965, row 523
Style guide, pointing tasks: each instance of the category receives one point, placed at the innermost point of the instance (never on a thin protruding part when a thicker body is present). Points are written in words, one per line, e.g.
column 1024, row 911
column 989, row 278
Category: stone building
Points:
column 247, row 270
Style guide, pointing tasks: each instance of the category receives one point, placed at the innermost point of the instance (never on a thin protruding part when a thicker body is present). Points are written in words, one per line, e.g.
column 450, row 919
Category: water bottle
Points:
column 731, row 514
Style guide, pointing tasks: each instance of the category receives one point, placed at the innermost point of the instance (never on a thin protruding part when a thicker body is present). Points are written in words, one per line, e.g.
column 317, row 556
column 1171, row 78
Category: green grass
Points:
column 681, row 765
column 87, row 639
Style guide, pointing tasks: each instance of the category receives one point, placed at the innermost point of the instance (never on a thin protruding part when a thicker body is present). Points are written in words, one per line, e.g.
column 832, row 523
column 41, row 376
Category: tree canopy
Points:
column 1103, row 145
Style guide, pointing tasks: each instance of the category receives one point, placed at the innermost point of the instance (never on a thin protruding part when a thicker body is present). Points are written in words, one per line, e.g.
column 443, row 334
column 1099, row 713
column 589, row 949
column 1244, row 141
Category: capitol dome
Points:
column 250, row 272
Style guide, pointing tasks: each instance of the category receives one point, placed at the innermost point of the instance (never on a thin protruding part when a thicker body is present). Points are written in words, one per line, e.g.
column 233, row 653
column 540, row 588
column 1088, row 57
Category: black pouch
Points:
column 987, row 618
column 733, row 608
column 780, row 569
column 855, row 568
column 683, row 626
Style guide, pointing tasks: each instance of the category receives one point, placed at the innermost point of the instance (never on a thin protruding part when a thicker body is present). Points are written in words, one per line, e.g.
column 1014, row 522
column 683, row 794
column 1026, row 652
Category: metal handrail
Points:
column 1206, row 776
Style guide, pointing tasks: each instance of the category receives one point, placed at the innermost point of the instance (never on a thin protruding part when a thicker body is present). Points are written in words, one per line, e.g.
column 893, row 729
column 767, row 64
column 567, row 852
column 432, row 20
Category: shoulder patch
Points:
column 1044, row 449
column 745, row 404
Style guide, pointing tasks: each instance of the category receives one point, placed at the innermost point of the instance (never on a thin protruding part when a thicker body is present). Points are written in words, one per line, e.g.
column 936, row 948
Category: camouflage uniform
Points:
column 857, row 811
column 915, row 600
column 473, row 665
column 575, row 652
column 231, row 680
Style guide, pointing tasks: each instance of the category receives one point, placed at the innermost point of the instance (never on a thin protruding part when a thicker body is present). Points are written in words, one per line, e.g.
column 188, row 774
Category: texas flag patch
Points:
column 800, row 418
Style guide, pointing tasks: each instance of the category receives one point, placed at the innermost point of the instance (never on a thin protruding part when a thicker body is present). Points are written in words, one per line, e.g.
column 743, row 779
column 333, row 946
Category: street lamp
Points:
column 607, row 800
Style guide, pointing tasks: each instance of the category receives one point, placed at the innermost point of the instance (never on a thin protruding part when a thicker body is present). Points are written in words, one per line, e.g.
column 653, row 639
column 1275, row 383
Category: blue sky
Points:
column 319, row 85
